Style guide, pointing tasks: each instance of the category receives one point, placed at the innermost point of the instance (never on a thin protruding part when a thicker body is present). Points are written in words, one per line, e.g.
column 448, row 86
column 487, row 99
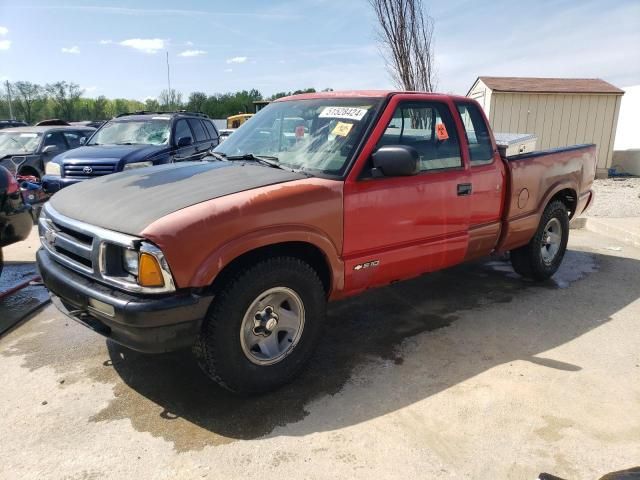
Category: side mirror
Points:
column 396, row 161
column 83, row 140
column 184, row 142
column 50, row 149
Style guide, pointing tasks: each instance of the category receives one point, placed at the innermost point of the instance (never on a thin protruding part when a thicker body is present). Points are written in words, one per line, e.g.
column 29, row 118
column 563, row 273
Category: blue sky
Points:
column 117, row 48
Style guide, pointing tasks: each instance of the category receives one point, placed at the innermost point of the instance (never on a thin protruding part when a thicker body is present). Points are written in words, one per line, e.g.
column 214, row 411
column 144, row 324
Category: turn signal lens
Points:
column 149, row 272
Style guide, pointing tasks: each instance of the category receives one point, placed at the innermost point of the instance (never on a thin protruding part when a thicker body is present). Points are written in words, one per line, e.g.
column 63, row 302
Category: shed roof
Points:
column 549, row 85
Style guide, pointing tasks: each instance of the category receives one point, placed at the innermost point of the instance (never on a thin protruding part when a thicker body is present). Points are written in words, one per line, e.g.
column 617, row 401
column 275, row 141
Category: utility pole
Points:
column 169, row 95
column 9, row 97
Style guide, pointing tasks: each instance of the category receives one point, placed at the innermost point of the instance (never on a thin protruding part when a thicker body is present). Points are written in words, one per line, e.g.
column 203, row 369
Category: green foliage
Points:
column 32, row 102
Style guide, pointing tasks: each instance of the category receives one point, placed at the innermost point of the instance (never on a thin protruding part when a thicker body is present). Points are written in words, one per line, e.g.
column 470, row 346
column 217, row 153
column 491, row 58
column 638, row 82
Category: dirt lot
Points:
column 469, row 373
column 616, row 197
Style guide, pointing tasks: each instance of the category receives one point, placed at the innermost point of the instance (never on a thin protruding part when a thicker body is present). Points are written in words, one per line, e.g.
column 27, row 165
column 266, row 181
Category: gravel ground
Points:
column 616, row 198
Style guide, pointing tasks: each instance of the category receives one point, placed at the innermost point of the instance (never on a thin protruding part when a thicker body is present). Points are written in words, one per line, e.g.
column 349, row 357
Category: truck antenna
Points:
column 169, row 95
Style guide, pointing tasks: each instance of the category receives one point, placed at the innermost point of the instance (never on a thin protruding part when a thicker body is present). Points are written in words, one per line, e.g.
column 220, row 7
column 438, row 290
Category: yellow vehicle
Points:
column 234, row 121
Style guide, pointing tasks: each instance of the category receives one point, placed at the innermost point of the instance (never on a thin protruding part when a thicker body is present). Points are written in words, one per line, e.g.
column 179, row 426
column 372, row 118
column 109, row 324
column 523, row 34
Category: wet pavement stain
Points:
column 169, row 397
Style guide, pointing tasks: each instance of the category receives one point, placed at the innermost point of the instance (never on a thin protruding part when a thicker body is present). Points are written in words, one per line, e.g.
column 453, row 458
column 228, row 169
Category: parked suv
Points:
column 134, row 140
column 33, row 147
column 11, row 123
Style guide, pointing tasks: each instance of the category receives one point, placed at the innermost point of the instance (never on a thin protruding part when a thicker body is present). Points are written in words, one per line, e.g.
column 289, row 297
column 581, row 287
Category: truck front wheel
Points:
column 542, row 256
column 263, row 325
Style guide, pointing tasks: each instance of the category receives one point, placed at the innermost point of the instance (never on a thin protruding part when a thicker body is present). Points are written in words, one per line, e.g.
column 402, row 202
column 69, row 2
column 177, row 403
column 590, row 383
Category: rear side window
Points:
column 210, row 129
column 198, row 130
column 182, row 130
column 429, row 128
column 478, row 138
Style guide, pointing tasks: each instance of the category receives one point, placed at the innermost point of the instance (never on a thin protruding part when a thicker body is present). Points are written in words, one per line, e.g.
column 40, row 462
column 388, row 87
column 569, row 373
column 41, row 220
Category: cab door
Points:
column 399, row 227
column 184, row 152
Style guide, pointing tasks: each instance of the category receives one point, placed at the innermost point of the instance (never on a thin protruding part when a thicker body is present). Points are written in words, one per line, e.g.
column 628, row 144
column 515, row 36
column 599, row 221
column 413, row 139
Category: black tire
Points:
column 219, row 348
column 528, row 261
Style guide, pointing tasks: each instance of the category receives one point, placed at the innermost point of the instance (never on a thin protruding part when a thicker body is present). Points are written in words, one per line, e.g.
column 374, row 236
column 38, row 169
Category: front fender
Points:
column 264, row 237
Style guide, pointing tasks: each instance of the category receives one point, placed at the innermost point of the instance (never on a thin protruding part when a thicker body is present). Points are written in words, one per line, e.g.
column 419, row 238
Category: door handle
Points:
column 464, row 189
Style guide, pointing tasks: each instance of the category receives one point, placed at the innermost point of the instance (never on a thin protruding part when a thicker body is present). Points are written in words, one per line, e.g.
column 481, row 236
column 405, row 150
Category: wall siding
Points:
column 558, row 120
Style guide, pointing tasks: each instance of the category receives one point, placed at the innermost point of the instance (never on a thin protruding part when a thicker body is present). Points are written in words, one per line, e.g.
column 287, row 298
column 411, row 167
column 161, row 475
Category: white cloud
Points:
column 4, row 31
column 192, row 53
column 228, row 70
column 74, row 50
column 5, row 44
column 106, row 42
column 189, row 44
column 146, row 45
column 237, row 60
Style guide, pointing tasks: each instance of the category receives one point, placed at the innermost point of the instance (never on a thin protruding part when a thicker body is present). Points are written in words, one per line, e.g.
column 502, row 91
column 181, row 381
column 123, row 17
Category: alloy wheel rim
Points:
column 551, row 241
column 272, row 326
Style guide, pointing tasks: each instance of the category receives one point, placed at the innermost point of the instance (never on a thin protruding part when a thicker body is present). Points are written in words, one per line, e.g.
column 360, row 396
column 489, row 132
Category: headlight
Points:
column 130, row 261
column 134, row 265
column 130, row 166
column 52, row 168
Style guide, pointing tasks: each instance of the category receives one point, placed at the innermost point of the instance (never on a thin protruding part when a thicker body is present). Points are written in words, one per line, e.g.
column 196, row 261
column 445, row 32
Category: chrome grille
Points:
column 88, row 170
column 78, row 245
column 85, row 249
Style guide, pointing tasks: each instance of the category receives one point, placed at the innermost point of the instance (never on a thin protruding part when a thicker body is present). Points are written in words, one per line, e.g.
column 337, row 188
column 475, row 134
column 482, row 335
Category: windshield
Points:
column 18, row 142
column 133, row 132
column 313, row 135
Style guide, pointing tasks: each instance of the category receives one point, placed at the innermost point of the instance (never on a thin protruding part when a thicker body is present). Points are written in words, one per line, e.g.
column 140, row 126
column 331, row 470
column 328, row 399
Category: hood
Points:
column 128, row 202
column 111, row 153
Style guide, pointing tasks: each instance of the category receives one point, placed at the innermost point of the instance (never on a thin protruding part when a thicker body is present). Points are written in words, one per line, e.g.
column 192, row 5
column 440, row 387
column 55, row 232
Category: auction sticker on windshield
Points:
column 349, row 113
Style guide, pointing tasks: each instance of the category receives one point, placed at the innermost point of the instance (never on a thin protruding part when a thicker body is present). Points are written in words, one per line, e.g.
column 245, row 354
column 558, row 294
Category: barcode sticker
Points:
column 349, row 113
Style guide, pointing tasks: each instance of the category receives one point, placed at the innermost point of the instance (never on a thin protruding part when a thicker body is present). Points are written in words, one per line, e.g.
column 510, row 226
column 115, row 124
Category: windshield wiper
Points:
column 126, row 143
column 263, row 159
column 218, row 156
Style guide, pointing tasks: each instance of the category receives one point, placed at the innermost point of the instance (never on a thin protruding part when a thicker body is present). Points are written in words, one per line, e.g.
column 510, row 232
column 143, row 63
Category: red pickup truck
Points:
column 316, row 198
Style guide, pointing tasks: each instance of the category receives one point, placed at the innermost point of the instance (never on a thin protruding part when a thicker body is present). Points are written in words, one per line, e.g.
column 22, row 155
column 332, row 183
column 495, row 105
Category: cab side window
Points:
column 182, row 130
column 478, row 138
column 57, row 139
column 74, row 139
column 429, row 128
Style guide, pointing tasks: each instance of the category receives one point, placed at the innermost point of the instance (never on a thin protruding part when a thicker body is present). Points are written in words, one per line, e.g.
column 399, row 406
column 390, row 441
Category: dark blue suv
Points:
column 133, row 140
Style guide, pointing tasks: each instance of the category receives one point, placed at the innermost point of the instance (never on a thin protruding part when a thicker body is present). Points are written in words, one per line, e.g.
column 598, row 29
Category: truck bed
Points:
column 536, row 178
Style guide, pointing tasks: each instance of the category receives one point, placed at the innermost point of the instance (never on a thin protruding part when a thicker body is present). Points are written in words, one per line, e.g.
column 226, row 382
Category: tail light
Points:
column 12, row 183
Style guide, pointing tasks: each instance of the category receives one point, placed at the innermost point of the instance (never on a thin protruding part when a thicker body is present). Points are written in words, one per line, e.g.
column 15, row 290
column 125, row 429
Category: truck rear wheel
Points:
column 542, row 256
column 263, row 326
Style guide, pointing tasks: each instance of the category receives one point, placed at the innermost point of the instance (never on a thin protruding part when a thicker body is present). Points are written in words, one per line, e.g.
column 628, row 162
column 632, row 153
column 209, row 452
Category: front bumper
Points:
column 54, row 183
column 150, row 324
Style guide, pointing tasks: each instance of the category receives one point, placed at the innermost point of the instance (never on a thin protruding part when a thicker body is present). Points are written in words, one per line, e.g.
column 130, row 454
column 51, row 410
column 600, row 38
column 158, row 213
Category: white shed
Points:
column 559, row 111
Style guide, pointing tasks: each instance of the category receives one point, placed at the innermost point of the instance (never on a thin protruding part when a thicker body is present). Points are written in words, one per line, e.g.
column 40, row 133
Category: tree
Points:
column 65, row 96
column 170, row 99
column 196, row 101
column 99, row 108
column 406, row 33
column 275, row 96
column 29, row 97
column 151, row 105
